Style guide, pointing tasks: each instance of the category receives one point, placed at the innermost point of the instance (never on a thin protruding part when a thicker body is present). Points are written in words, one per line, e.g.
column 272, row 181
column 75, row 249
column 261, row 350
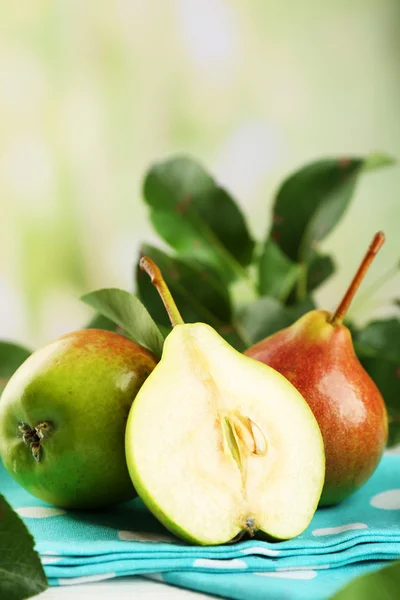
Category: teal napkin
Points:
column 341, row 542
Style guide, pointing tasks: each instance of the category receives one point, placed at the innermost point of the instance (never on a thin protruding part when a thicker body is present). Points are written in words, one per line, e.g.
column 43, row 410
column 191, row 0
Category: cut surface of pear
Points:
column 218, row 444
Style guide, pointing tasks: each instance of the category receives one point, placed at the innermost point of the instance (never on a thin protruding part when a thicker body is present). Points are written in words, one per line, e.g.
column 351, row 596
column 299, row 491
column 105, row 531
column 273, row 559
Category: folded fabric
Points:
column 340, row 543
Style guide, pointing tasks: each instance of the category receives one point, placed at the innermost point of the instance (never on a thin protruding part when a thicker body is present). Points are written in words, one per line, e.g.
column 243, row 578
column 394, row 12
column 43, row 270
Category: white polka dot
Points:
column 142, row 536
column 49, row 560
column 86, row 579
column 260, row 550
column 313, row 568
column 389, row 500
column 290, row 574
column 39, row 512
column 234, row 563
column 339, row 529
column 155, row 577
column 391, row 451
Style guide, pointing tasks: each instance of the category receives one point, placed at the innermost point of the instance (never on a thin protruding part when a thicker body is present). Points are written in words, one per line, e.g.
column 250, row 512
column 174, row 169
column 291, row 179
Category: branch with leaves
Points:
column 246, row 290
column 214, row 255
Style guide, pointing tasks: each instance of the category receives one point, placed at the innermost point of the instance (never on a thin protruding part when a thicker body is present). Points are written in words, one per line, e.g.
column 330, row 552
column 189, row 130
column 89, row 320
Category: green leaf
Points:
column 101, row 322
column 386, row 375
column 263, row 317
column 21, row 572
column 197, row 217
column 301, row 308
column 320, row 269
column 127, row 312
column 394, row 431
column 312, row 201
column 382, row 584
column 378, row 348
column 277, row 273
column 266, row 316
column 383, row 338
column 231, row 443
column 11, row 357
column 377, row 161
column 197, row 290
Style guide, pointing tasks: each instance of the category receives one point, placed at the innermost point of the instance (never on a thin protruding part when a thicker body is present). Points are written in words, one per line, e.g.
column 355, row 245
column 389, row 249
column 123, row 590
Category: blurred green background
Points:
column 93, row 92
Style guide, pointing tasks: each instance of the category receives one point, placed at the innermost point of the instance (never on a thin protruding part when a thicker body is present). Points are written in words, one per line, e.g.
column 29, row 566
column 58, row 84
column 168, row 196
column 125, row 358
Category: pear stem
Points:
column 150, row 267
column 372, row 251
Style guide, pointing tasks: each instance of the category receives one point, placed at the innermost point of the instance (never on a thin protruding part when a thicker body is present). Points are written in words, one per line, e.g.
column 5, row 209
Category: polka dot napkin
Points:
column 341, row 542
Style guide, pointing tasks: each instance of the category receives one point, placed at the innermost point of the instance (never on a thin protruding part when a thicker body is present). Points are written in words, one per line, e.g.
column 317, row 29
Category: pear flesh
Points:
column 218, row 444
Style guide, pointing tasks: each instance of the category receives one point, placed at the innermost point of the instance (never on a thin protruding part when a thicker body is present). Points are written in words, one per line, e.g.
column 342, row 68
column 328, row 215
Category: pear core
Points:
column 218, row 444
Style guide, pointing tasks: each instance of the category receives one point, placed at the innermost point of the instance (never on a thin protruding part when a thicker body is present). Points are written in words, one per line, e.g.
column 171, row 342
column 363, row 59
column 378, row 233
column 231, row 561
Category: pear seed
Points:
column 243, row 430
column 261, row 445
column 231, row 442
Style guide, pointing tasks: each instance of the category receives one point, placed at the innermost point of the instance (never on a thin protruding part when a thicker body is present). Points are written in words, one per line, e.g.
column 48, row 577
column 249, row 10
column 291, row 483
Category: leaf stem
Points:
column 288, row 284
column 234, row 264
column 152, row 270
column 301, row 286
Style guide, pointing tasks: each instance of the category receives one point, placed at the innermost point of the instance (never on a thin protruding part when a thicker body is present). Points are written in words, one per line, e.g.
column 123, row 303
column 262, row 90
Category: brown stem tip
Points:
column 150, row 267
column 372, row 251
column 153, row 271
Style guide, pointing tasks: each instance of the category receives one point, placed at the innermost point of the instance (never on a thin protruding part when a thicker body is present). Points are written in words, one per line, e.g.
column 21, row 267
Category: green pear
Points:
column 219, row 445
column 316, row 354
column 63, row 416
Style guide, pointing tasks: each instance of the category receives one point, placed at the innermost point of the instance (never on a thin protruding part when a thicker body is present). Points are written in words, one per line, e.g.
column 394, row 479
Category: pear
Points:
column 219, row 445
column 63, row 416
column 316, row 354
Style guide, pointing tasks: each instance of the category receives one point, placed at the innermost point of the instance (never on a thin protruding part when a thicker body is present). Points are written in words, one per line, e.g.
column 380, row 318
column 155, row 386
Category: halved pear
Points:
column 218, row 444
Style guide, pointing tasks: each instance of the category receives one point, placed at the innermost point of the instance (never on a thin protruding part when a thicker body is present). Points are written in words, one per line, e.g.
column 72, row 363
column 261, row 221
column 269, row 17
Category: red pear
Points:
column 316, row 354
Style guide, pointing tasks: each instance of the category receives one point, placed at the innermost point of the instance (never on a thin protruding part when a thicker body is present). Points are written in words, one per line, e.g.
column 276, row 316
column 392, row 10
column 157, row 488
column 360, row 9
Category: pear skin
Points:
column 63, row 416
column 318, row 358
